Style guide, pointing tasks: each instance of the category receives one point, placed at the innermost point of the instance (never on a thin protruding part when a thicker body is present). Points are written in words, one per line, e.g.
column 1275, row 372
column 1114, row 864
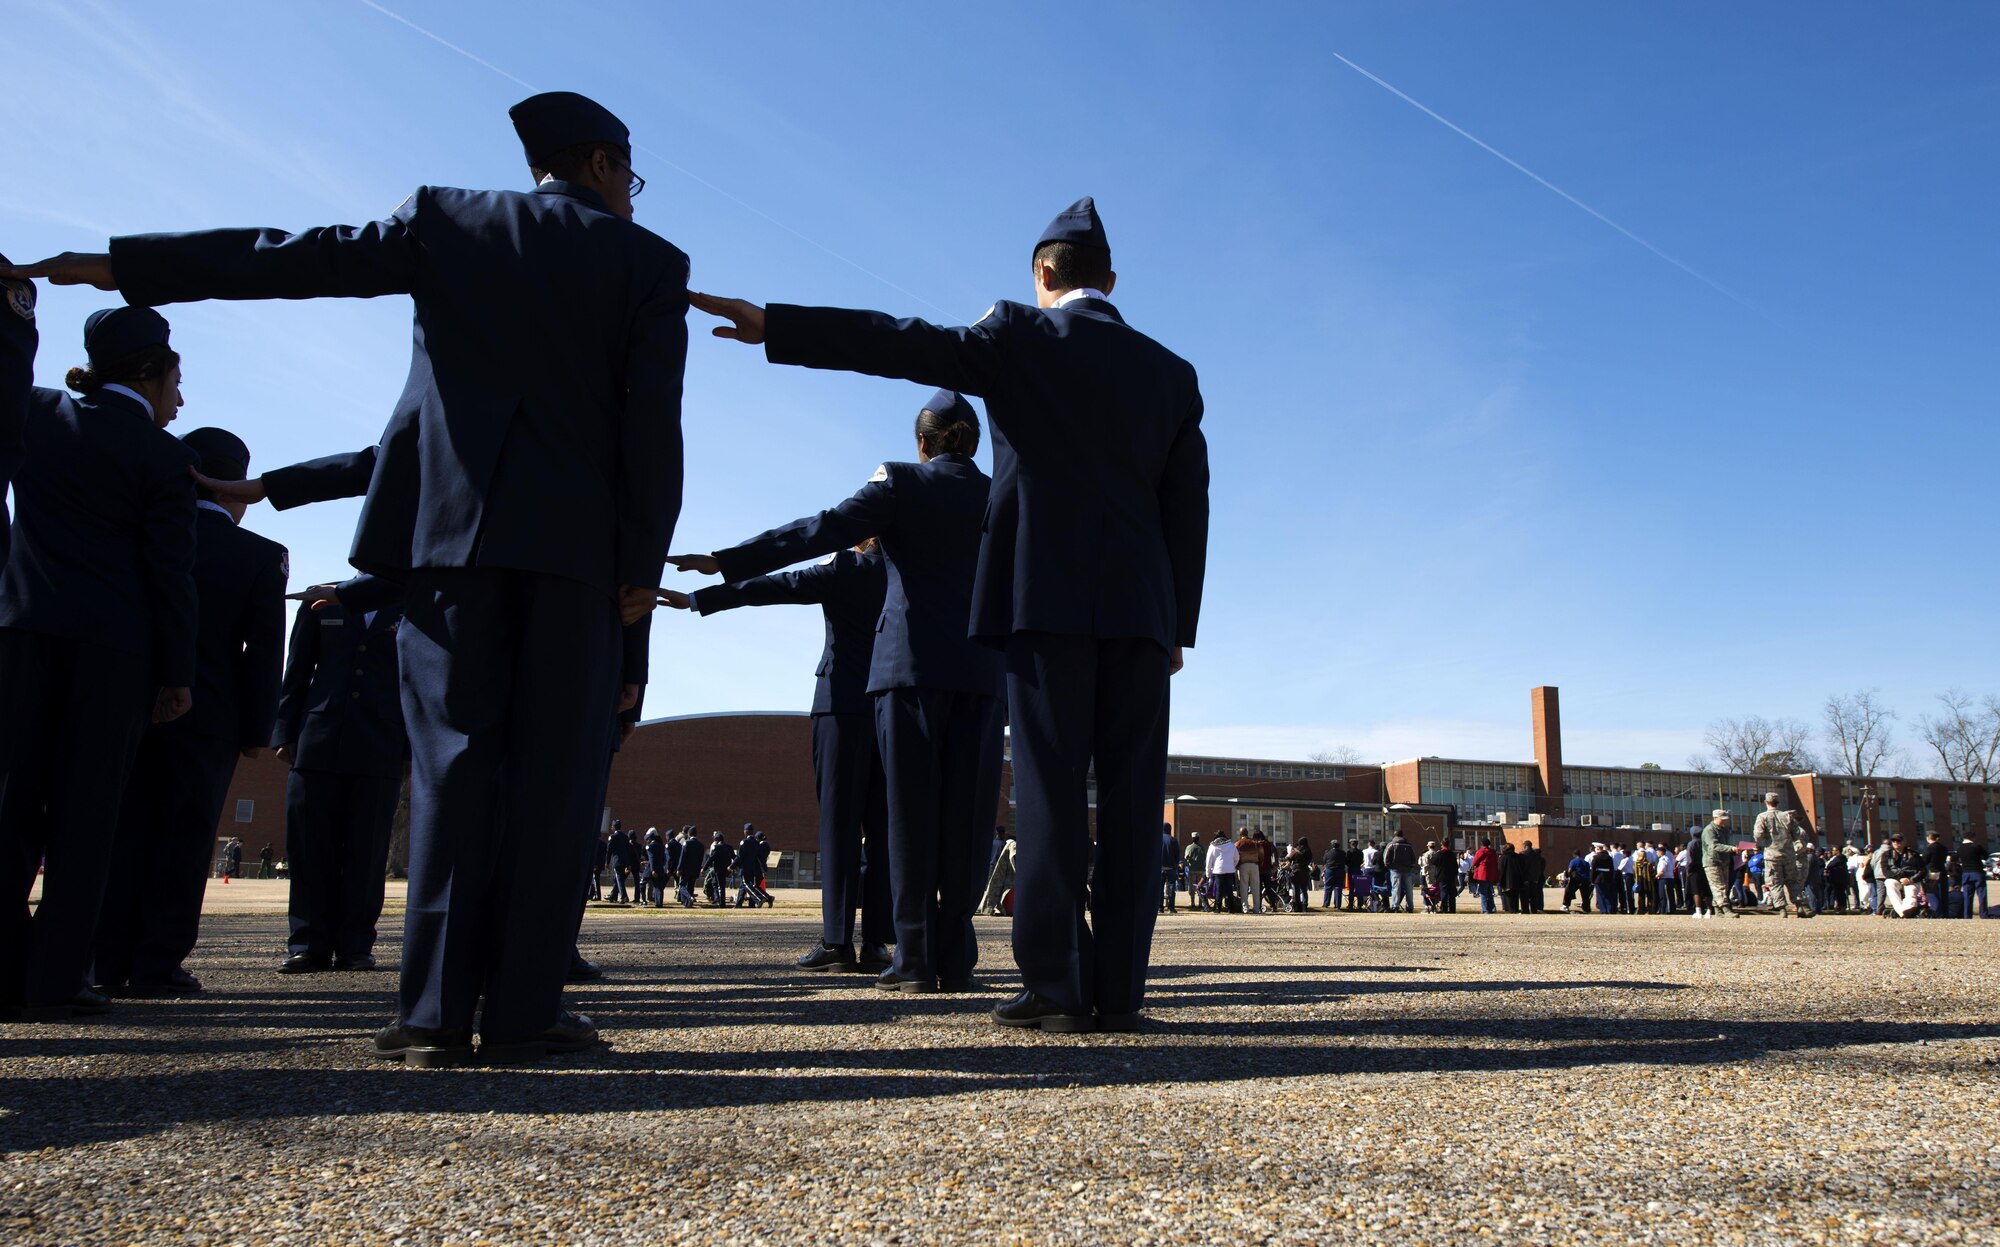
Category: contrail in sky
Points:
column 1495, row 152
column 856, row 265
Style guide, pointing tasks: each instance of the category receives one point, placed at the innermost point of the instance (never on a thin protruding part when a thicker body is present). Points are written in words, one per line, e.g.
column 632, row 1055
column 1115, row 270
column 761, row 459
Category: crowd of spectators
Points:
column 1250, row 874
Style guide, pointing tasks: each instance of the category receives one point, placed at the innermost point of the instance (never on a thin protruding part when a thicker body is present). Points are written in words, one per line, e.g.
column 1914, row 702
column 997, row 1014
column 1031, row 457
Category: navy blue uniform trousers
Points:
column 1073, row 700
column 161, row 855
column 337, row 847
column 853, row 830
column 509, row 682
column 940, row 754
column 73, row 716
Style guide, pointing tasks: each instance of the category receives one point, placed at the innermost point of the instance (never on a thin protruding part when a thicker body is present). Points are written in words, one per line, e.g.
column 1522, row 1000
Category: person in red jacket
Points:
column 1485, row 873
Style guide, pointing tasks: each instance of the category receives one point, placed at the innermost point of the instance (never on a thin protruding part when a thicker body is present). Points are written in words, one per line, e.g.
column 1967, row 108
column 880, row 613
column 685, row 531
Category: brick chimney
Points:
column 1548, row 750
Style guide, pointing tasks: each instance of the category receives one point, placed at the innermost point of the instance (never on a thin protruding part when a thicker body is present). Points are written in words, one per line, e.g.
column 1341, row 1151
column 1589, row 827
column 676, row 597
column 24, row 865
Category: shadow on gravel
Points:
column 1155, row 974
column 64, row 1112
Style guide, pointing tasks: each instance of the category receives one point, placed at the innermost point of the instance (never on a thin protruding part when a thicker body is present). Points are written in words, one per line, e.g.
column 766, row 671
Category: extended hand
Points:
column 675, row 599
column 78, row 268
column 286, row 753
column 1176, row 662
column 171, row 704
column 634, row 604
column 316, row 597
column 246, row 492
column 628, row 697
column 705, row 564
column 253, row 751
column 747, row 319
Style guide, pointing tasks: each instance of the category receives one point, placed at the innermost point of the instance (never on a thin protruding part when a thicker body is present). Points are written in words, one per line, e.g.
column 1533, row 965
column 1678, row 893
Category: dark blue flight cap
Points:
column 951, row 405
column 114, row 333
column 1077, row 224
column 557, row 120
column 223, row 454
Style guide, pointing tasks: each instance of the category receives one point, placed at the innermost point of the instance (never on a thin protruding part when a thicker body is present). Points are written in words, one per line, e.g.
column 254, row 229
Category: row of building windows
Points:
column 1684, row 785
column 1476, row 776
column 1237, row 769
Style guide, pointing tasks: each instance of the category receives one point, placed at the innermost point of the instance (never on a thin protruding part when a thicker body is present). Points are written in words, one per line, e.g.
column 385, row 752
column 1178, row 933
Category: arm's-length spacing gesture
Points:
column 746, row 319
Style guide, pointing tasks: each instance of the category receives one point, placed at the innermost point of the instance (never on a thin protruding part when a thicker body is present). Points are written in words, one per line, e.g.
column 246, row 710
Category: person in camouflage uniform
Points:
column 1776, row 833
column 1715, row 853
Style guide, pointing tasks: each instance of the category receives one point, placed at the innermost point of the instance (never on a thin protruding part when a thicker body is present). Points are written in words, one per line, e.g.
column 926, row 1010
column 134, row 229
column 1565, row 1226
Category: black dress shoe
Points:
column 305, row 963
column 827, row 957
column 874, row 959
column 961, row 987
column 1118, row 1023
column 572, row 1032
column 423, row 1047
column 86, row 1003
column 176, row 982
column 1028, row 1010
column 584, row 970
column 894, row 982
column 366, row 961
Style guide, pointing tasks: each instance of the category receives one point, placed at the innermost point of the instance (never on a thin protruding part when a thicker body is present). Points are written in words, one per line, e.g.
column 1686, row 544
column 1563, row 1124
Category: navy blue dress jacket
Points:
column 103, row 542
column 17, row 376
column 341, row 708
column 239, row 582
column 927, row 516
column 1099, row 520
column 849, row 589
column 549, row 344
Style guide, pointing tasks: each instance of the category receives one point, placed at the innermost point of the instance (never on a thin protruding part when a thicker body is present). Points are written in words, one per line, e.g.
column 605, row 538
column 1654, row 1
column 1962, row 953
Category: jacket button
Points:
column 361, row 649
column 358, row 671
column 355, row 696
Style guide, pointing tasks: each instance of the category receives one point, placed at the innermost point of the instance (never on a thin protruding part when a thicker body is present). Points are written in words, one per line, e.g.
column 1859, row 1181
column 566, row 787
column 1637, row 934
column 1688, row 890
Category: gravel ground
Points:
column 1302, row 1078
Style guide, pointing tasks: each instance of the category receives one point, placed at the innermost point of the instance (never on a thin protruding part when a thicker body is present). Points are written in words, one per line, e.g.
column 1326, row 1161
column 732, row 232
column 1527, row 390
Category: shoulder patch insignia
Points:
column 881, row 474
column 20, row 297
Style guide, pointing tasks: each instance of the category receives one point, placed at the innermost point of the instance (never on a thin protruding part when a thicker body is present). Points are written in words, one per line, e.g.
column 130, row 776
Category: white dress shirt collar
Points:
column 132, row 394
column 1082, row 292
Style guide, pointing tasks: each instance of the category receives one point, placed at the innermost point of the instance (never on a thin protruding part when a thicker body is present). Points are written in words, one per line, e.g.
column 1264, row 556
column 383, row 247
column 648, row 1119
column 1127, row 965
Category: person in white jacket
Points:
column 1222, row 859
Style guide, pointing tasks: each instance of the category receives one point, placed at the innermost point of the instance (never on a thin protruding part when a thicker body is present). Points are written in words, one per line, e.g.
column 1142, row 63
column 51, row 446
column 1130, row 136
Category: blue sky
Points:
column 1466, row 437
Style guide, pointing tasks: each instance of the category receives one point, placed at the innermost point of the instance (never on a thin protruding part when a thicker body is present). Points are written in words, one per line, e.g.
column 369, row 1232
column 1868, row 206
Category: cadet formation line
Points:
column 520, row 506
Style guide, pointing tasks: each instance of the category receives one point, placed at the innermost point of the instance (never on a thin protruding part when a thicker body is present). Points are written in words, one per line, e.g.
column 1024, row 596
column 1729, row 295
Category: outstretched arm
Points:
column 966, row 359
column 805, row 587
column 338, row 261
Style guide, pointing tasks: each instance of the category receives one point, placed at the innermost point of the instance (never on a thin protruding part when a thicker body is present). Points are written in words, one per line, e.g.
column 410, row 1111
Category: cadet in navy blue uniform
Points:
column 848, row 588
column 340, row 726
column 525, row 493
column 936, row 694
column 97, row 627
column 1090, row 580
column 165, row 839
column 18, row 339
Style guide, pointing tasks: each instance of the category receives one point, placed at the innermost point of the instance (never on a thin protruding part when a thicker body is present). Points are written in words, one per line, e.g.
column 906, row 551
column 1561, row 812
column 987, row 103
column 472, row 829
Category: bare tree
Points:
column 1339, row 755
column 1857, row 730
column 1966, row 737
column 1760, row 746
